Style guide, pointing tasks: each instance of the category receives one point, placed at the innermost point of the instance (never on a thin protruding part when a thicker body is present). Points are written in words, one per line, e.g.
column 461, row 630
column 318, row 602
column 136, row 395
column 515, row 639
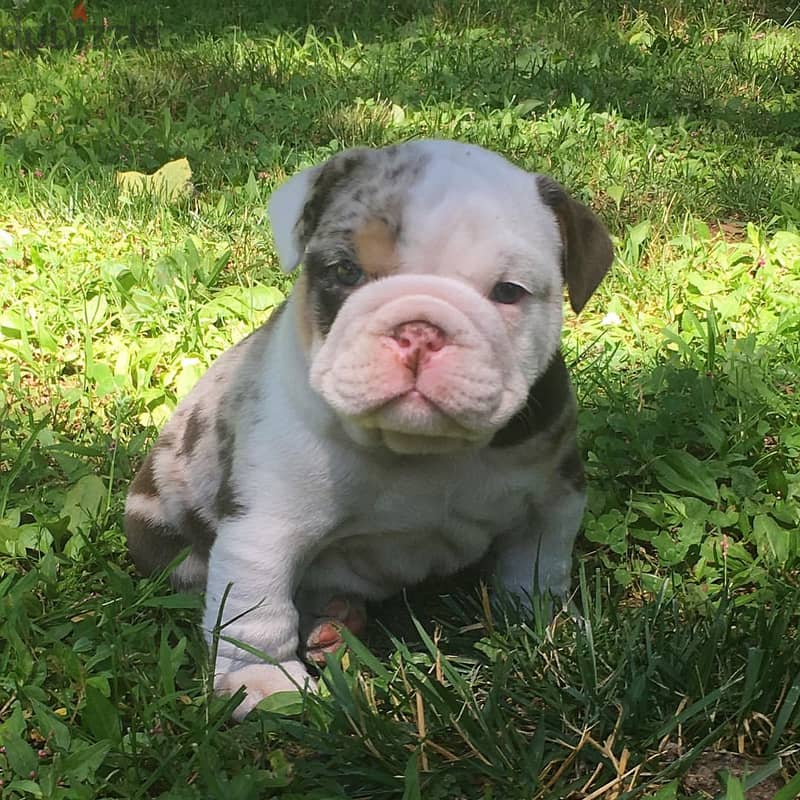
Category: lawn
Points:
column 676, row 671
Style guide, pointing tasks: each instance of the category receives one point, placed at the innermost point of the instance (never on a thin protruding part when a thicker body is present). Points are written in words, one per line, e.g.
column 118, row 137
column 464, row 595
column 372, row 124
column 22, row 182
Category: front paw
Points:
column 262, row 680
column 322, row 634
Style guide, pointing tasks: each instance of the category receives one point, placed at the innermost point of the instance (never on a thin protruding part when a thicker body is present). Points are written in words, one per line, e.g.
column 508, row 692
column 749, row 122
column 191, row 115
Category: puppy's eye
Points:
column 348, row 274
column 507, row 293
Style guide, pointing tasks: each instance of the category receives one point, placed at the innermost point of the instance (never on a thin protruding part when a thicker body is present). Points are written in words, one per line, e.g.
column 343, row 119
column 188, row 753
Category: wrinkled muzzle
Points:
column 420, row 364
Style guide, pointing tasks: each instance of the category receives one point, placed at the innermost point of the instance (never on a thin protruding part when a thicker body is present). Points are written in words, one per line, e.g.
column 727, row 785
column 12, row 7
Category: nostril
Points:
column 419, row 335
column 436, row 339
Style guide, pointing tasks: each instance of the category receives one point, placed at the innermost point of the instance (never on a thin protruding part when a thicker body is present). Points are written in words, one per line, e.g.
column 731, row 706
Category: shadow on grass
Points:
column 369, row 18
column 246, row 103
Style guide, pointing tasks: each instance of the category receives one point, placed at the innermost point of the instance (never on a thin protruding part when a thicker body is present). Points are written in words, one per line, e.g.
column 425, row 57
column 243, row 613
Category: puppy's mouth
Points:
column 413, row 411
column 412, row 405
column 412, row 423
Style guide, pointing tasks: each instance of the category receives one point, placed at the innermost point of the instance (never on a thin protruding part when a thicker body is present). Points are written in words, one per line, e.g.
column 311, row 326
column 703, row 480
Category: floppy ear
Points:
column 285, row 209
column 587, row 249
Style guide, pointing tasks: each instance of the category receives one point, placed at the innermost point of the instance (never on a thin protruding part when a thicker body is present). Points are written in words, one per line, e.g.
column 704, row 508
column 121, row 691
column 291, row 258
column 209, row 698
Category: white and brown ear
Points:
column 588, row 251
column 297, row 206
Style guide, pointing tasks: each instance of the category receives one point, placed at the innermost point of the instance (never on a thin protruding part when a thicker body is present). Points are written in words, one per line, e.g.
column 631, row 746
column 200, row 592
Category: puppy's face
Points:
column 432, row 295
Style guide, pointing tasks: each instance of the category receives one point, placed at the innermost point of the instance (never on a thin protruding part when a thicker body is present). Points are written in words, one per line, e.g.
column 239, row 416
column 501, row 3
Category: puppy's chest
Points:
column 409, row 527
column 447, row 505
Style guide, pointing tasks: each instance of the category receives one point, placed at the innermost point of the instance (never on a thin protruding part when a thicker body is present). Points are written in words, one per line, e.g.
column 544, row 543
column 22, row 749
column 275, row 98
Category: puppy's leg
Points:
column 540, row 558
column 250, row 590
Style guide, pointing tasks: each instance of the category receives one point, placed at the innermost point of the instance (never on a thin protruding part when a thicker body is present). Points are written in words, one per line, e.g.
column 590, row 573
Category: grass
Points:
column 680, row 124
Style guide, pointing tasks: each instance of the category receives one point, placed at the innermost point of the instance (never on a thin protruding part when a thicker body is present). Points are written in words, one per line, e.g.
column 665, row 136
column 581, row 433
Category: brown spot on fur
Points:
column 375, row 248
column 200, row 533
column 227, row 504
column 332, row 176
column 151, row 545
column 192, row 432
column 145, row 480
column 165, row 441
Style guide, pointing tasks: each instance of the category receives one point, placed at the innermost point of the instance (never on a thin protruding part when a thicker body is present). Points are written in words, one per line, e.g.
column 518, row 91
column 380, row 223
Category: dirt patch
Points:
column 703, row 776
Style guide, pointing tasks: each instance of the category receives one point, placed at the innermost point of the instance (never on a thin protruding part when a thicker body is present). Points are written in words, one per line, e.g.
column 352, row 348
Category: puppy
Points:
column 406, row 410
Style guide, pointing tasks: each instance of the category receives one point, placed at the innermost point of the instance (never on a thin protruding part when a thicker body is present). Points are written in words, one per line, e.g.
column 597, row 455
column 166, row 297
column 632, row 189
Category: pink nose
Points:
column 416, row 340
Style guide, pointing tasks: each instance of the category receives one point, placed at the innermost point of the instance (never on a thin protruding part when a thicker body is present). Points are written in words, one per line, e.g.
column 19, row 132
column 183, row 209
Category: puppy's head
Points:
column 432, row 294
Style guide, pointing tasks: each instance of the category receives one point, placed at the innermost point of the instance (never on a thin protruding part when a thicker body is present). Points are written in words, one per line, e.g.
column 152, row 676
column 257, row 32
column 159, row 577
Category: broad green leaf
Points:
column 106, row 382
column 82, row 763
column 744, row 481
column 95, row 310
column 33, row 788
column 83, row 503
column 21, row 756
column 190, row 372
column 55, row 731
column 251, row 187
column 14, row 541
column 47, row 341
column 670, row 551
column 14, row 325
column 100, row 715
column 679, row 471
column 615, row 192
column 774, row 541
column 285, row 704
column 28, row 105
column 639, row 233
column 777, row 482
column 398, row 114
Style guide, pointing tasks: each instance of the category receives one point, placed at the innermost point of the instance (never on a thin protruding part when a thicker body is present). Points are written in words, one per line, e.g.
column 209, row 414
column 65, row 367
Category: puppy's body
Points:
column 381, row 430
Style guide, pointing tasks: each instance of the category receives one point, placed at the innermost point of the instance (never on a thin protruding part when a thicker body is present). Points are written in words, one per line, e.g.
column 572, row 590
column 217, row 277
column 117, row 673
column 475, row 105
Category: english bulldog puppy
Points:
column 404, row 413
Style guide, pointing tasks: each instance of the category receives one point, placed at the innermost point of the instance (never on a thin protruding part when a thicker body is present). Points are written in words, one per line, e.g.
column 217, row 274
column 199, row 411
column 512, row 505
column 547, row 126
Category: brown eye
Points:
column 348, row 274
column 507, row 293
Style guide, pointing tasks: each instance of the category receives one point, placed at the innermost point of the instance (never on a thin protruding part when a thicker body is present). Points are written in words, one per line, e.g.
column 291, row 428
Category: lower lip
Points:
column 414, row 400
column 416, row 397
